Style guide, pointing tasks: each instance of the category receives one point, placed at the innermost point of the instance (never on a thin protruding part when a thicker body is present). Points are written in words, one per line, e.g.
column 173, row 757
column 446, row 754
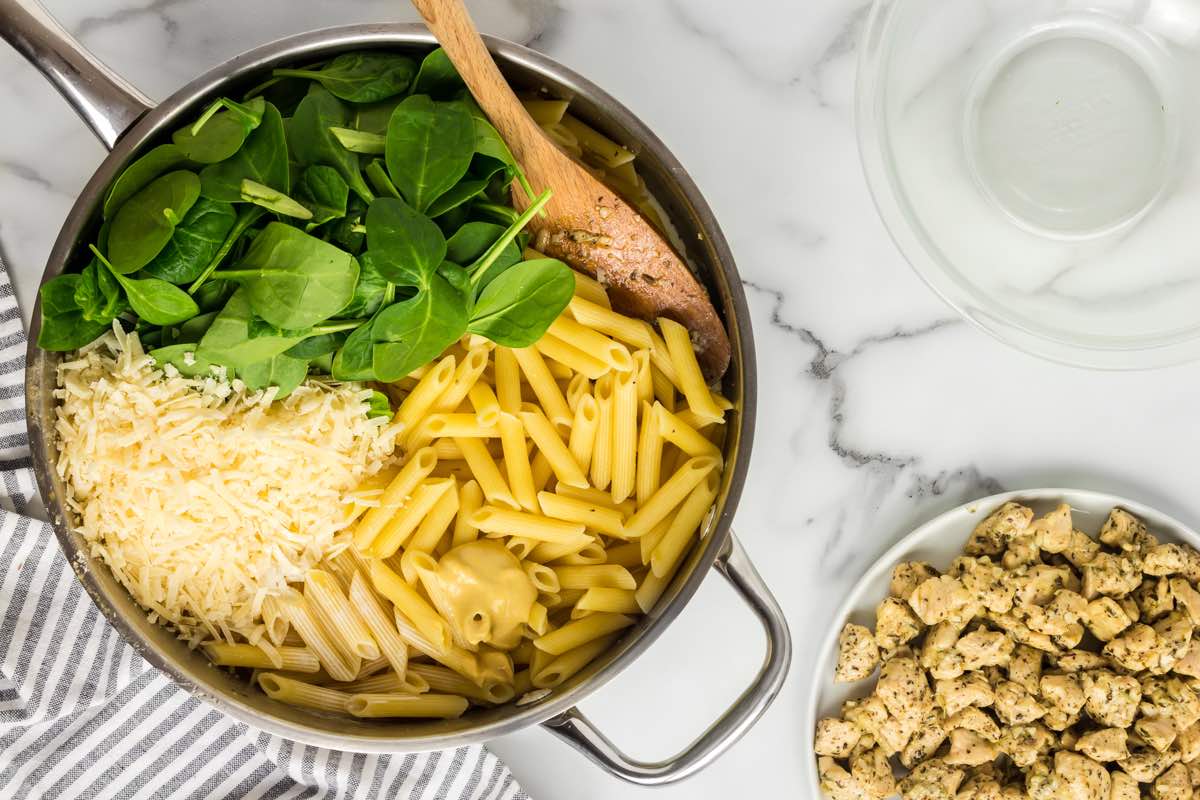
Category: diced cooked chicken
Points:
column 1188, row 742
column 1174, row 632
column 973, row 719
column 1136, row 649
column 938, row 654
column 925, row 740
column 1158, row 732
column 1086, row 779
column 908, row 575
column 1080, row 549
column 1124, row 787
column 1025, row 667
column 836, row 737
column 1021, row 634
column 1041, row 582
column 1080, row 660
column 1071, row 637
column 1146, row 764
column 932, row 780
column 1189, row 665
column 1015, row 706
column 1130, row 607
column 1105, row 618
column 904, row 688
column 1171, row 698
column 1186, row 598
column 984, row 648
column 873, row 772
column 1121, row 529
column 1056, row 617
column 1022, row 551
column 895, row 624
column 1111, row 699
column 1154, row 598
column 941, row 599
column 992, row 536
column 989, row 584
column 1052, row 531
column 969, row 749
column 839, row 784
column 1064, row 692
column 858, row 654
column 890, row 733
column 1165, row 559
column 1058, row 720
column 955, row 694
column 980, row 785
column 1174, row 784
column 1024, row 744
column 1104, row 744
column 1111, row 575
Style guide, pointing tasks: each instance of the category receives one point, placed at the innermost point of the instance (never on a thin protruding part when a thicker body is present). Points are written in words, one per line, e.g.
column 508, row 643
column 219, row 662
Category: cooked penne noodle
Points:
column 684, row 436
column 561, row 373
column 576, row 553
column 421, row 399
column 542, row 471
column 387, row 682
column 484, row 469
column 589, row 288
column 425, row 706
column 299, row 693
column 597, row 518
column 645, row 378
column 649, row 456
column 447, row 681
column 543, row 578
column 664, row 390
column 693, row 420
column 275, row 620
column 466, row 375
column 605, row 599
column 556, row 671
column 446, row 450
column 470, row 498
column 669, row 495
column 624, row 435
column 338, row 618
column 549, row 396
column 660, row 357
column 613, row 354
column 415, row 608
column 291, row 659
column 462, row 661
column 583, row 432
column 586, row 577
column 522, row 654
column 305, row 622
column 600, row 470
column 366, row 602
column 435, row 524
column 691, row 380
column 538, row 622
column 578, row 388
column 372, row 667
column 603, row 149
column 516, row 461
column 520, row 546
column 546, row 112
column 415, row 470
column 503, row 521
column 596, row 497
column 451, row 426
column 685, row 527
column 627, row 554
column 400, row 527
column 508, row 380
column 581, row 631
column 483, row 400
column 651, row 539
column 551, row 445
column 631, row 331
column 571, row 357
column 651, row 590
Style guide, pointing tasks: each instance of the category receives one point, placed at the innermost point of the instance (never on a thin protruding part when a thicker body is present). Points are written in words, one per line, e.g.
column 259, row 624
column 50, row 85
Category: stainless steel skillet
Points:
column 127, row 122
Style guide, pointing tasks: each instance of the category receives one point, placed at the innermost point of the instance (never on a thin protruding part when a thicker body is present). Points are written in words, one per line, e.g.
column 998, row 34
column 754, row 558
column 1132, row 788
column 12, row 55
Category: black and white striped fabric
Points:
column 82, row 716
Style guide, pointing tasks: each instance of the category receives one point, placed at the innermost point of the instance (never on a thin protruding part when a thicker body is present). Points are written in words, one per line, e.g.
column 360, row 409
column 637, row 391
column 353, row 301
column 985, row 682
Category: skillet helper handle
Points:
column 103, row 99
column 578, row 731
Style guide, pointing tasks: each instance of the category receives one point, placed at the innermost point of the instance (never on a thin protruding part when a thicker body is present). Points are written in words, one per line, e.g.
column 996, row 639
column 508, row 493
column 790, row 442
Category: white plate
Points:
column 939, row 541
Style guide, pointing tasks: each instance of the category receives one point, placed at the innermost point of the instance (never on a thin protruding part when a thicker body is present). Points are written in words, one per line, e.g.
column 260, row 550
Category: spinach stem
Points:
column 245, row 219
column 205, row 117
column 501, row 212
column 480, row 267
column 336, row 326
column 389, row 294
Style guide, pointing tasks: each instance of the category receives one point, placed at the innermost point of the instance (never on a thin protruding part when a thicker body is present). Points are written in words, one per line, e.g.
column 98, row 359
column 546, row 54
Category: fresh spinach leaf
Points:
column 220, row 131
column 518, row 306
column 429, row 148
column 194, row 242
column 414, row 331
column 406, row 247
column 459, row 193
column 98, row 294
column 489, row 143
column 318, row 345
column 282, row 371
column 437, row 76
column 456, row 276
column 312, row 142
column 273, row 200
column 473, row 239
column 294, row 280
column 63, row 325
column 482, row 269
column 184, row 358
column 369, row 291
column 364, row 77
column 379, row 405
column 213, row 295
column 247, row 216
column 373, row 117
column 228, row 342
column 324, row 193
column 145, row 223
column 371, row 144
column 145, row 169
column 263, row 158
column 353, row 361
column 153, row 299
column 321, row 365
column 377, row 175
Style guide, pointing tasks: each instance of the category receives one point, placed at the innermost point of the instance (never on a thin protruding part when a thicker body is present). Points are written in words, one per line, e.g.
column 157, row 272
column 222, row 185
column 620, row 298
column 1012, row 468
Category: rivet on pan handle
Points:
column 102, row 98
column 580, row 733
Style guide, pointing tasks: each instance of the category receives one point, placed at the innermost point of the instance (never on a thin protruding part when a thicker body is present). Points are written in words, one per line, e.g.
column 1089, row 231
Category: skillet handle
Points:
column 578, row 731
column 99, row 96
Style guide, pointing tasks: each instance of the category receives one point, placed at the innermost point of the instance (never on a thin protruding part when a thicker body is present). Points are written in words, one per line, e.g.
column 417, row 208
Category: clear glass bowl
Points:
column 1035, row 161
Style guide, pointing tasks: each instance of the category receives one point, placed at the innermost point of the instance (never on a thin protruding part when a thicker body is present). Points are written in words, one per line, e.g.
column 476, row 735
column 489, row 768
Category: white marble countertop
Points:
column 878, row 407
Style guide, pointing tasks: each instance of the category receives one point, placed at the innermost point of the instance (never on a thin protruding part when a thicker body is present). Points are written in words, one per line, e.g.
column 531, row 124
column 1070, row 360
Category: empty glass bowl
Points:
column 1035, row 161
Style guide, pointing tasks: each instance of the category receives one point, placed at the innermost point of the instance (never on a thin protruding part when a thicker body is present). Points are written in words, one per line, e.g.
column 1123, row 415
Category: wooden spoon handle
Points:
column 449, row 21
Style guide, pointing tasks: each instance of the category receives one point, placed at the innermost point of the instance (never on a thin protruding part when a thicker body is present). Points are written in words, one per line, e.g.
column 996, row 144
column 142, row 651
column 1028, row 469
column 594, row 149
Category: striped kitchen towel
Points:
column 83, row 716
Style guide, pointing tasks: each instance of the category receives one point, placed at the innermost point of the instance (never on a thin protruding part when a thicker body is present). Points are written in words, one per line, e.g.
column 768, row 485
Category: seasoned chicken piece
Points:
column 1105, row 618
column 972, row 719
column 932, row 780
column 1064, row 692
column 970, row 689
column 1165, row 559
column 1146, row 764
column 1110, row 575
column 1189, row 665
column 1122, row 529
column 938, row 654
column 1068, row 739
column 1080, row 549
column 941, row 599
column 870, row 714
column 1130, row 607
column 1188, row 743
column 1071, row 637
column 1015, row 706
column 1104, row 744
column 1057, row 616
column 873, row 772
column 1052, row 531
column 1154, row 599
column 1136, row 649
column 839, row 784
column 984, row 648
column 1186, row 598
column 1158, row 732
column 1024, row 744
column 980, row 785
column 1021, row 634
column 1022, row 551
column 1086, row 779
column 1058, row 720
column 1174, row 632
column 895, row 624
column 1025, row 667
column 836, row 737
column 1174, row 784
column 926, row 740
column 1080, row 660
column 1111, row 699
column 1194, row 772
column 904, row 688
column 1124, row 787
column 989, row 584
column 969, row 749
column 1172, row 698
column 858, row 654
column 1040, row 582
column 991, row 536
column 907, row 576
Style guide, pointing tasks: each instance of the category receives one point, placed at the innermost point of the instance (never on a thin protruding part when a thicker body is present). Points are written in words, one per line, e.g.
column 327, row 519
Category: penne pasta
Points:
column 391, row 646
column 685, row 527
column 541, row 470
column 502, row 521
column 605, row 599
column 664, row 390
column 520, row 546
column 470, row 498
column 483, row 400
column 299, row 693
column 581, row 631
column 613, row 576
column 291, row 659
column 441, row 679
column 486, row 473
column 590, row 289
column 508, row 380
column 627, row 554
column 421, row 399
column 415, row 470
column 571, row 357
column 669, row 495
column 578, row 388
column 275, row 620
column 596, row 497
column 424, row 706
column 387, row 682
column 337, row 617
column 583, row 432
column 553, row 672
column 545, row 112
column 624, row 435
column 409, row 602
column 450, row 426
column 543, row 578
column 601, row 466
column 600, row 147
column 516, row 461
column 645, row 377
column 305, row 623
column 551, row 445
column 649, row 456
column 687, row 368
column 612, row 354
column 633, row 332
column 549, row 396
column 400, row 527
column 577, row 553
column 466, row 375
column 539, row 620
column 601, row 519
column 682, row 435
column 433, row 527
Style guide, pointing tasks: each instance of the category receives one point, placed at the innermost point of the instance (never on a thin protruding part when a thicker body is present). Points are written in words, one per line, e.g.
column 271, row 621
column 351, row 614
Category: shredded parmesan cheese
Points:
column 204, row 497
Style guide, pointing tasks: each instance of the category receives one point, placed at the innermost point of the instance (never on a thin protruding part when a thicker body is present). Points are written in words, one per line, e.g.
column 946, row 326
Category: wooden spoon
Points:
column 586, row 224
